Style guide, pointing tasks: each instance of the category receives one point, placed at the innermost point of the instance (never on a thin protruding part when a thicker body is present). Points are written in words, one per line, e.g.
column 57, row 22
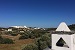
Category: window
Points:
column 61, row 43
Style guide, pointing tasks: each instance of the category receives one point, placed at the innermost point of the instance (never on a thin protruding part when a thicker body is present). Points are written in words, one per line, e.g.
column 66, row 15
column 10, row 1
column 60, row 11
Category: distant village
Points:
column 19, row 29
column 25, row 28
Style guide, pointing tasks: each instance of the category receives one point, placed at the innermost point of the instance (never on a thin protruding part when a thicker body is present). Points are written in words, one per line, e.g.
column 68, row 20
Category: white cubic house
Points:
column 63, row 38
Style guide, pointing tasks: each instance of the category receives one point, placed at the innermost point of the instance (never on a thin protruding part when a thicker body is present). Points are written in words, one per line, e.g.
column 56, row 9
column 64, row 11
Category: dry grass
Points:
column 17, row 45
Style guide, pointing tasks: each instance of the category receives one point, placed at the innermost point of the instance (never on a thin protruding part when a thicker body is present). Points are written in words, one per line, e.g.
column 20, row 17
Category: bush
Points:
column 30, row 47
column 1, row 39
column 5, row 40
column 9, row 32
column 32, row 37
column 41, row 44
column 25, row 36
column 21, row 33
column 47, row 39
column 14, row 34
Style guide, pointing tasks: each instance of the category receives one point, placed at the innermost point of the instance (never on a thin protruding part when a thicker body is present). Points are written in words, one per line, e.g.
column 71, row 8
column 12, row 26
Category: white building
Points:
column 9, row 29
column 19, row 26
column 63, row 38
column 37, row 28
column 25, row 27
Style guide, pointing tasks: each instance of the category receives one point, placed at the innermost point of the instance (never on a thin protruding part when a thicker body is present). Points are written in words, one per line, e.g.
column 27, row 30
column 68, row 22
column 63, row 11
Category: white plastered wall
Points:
column 67, row 38
column 73, row 41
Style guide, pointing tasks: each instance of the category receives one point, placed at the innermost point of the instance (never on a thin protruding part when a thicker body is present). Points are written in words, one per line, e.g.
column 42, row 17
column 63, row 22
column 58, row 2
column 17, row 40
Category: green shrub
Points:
column 41, row 44
column 1, row 39
column 32, row 37
column 9, row 32
column 6, row 41
column 21, row 33
column 30, row 47
column 25, row 36
column 14, row 34
column 45, row 38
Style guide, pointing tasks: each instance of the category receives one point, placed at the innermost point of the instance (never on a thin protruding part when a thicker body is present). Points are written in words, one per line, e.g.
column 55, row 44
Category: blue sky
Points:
column 36, row 13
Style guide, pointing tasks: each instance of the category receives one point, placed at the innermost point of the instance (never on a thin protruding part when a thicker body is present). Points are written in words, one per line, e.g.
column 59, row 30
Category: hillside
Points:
column 72, row 27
